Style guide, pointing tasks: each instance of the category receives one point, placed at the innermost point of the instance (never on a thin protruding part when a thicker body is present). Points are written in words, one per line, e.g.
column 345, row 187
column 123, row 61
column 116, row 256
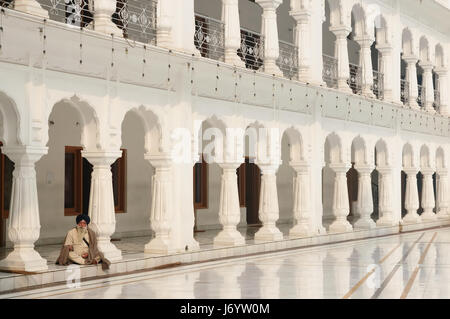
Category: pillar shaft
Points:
column 101, row 201
column 268, row 205
column 302, row 40
column 104, row 9
column 24, row 225
column 341, row 207
column 302, row 202
column 270, row 33
column 429, row 87
column 411, row 198
column 428, row 202
column 365, row 62
column 385, row 208
column 386, row 66
column 161, row 207
column 341, row 54
column 365, row 201
column 230, row 18
column 443, row 92
column 442, row 194
column 229, row 208
column 411, row 77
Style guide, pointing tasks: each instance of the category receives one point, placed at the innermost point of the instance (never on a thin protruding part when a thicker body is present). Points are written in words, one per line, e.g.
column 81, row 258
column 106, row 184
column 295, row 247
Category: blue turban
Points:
column 83, row 217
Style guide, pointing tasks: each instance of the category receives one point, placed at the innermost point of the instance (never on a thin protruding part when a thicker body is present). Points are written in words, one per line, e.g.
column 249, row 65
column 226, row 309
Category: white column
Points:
column 103, row 11
column 270, row 33
column 341, row 207
column 303, row 40
column 161, row 207
column 31, row 7
column 268, row 205
column 365, row 62
column 365, row 200
column 341, row 54
column 230, row 18
column 411, row 198
column 385, row 196
column 229, row 208
column 428, row 202
column 164, row 24
column 386, row 66
column 429, row 87
column 302, row 202
column 24, row 225
column 444, row 96
column 442, row 190
column 101, row 201
column 411, row 77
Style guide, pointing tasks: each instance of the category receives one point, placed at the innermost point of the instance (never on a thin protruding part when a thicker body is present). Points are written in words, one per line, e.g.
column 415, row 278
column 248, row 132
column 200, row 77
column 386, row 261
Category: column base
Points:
column 229, row 238
column 108, row 27
column 414, row 106
column 340, row 226
column 368, row 94
column 268, row 233
column 234, row 59
column 32, row 8
column 411, row 218
column 159, row 245
column 343, row 87
column 272, row 68
column 111, row 252
column 300, row 231
column 428, row 217
column 365, row 223
column 24, row 259
column 386, row 222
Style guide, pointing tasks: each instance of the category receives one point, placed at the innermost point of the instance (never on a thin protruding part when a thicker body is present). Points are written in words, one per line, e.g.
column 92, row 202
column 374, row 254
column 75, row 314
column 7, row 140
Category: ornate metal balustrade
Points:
column 437, row 99
column 288, row 59
column 421, row 99
column 355, row 80
column 137, row 19
column 330, row 71
column 404, row 91
column 378, row 84
column 209, row 37
column 252, row 49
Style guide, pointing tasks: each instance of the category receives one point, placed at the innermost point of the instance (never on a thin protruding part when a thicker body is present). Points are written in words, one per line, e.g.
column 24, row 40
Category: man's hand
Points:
column 85, row 255
column 70, row 248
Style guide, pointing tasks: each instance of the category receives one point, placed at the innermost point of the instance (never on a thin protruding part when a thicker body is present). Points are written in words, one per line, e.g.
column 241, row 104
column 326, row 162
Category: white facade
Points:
column 91, row 87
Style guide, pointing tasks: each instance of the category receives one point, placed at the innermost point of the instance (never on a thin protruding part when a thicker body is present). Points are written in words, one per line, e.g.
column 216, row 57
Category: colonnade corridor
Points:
column 410, row 265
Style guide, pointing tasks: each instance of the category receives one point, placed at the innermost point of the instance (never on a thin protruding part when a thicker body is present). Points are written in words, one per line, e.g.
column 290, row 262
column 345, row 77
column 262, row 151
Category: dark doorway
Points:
column 352, row 186
column 419, row 187
column 403, row 183
column 87, row 172
column 252, row 190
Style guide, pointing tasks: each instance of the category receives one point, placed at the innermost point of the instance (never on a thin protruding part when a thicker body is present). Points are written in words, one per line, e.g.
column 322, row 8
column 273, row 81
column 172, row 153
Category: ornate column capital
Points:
column 365, row 41
column 340, row 167
column 411, row 171
column 301, row 16
column 25, row 155
column 441, row 71
column 364, row 169
column 160, row 160
column 410, row 59
column 427, row 171
column 426, row 66
column 269, row 4
column 101, row 158
column 300, row 167
column 341, row 31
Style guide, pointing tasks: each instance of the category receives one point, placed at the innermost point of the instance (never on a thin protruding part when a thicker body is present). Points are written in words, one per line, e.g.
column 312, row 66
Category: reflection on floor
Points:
column 413, row 265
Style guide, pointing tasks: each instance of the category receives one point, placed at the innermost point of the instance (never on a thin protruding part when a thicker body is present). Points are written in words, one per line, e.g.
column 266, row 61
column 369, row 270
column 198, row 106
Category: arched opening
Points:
column 285, row 185
column 408, row 69
column 63, row 175
column 209, row 36
column 133, row 199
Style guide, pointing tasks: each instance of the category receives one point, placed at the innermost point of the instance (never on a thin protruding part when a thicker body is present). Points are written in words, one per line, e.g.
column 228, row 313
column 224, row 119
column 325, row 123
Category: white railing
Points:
column 355, row 80
column 421, row 98
column 252, row 49
column 378, row 84
column 136, row 19
column 209, row 37
column 330, row 71
column 288, row 60
column 404, row 91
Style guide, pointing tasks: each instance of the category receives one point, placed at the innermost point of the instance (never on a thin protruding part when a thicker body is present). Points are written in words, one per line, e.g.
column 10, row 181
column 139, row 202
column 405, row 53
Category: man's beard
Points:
column 81, row 230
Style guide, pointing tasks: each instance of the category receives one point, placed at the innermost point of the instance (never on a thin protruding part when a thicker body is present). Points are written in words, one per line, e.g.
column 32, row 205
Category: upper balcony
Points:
column 354, row 56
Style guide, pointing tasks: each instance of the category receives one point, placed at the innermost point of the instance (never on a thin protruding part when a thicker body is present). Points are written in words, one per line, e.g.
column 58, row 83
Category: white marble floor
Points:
column 413, row 265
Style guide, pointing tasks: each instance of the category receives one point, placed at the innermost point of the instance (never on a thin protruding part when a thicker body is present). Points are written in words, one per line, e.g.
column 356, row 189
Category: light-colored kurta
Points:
column 79, row 246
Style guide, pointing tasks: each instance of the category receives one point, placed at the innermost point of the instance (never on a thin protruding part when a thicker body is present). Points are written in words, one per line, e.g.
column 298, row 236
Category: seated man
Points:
column 80, row 246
